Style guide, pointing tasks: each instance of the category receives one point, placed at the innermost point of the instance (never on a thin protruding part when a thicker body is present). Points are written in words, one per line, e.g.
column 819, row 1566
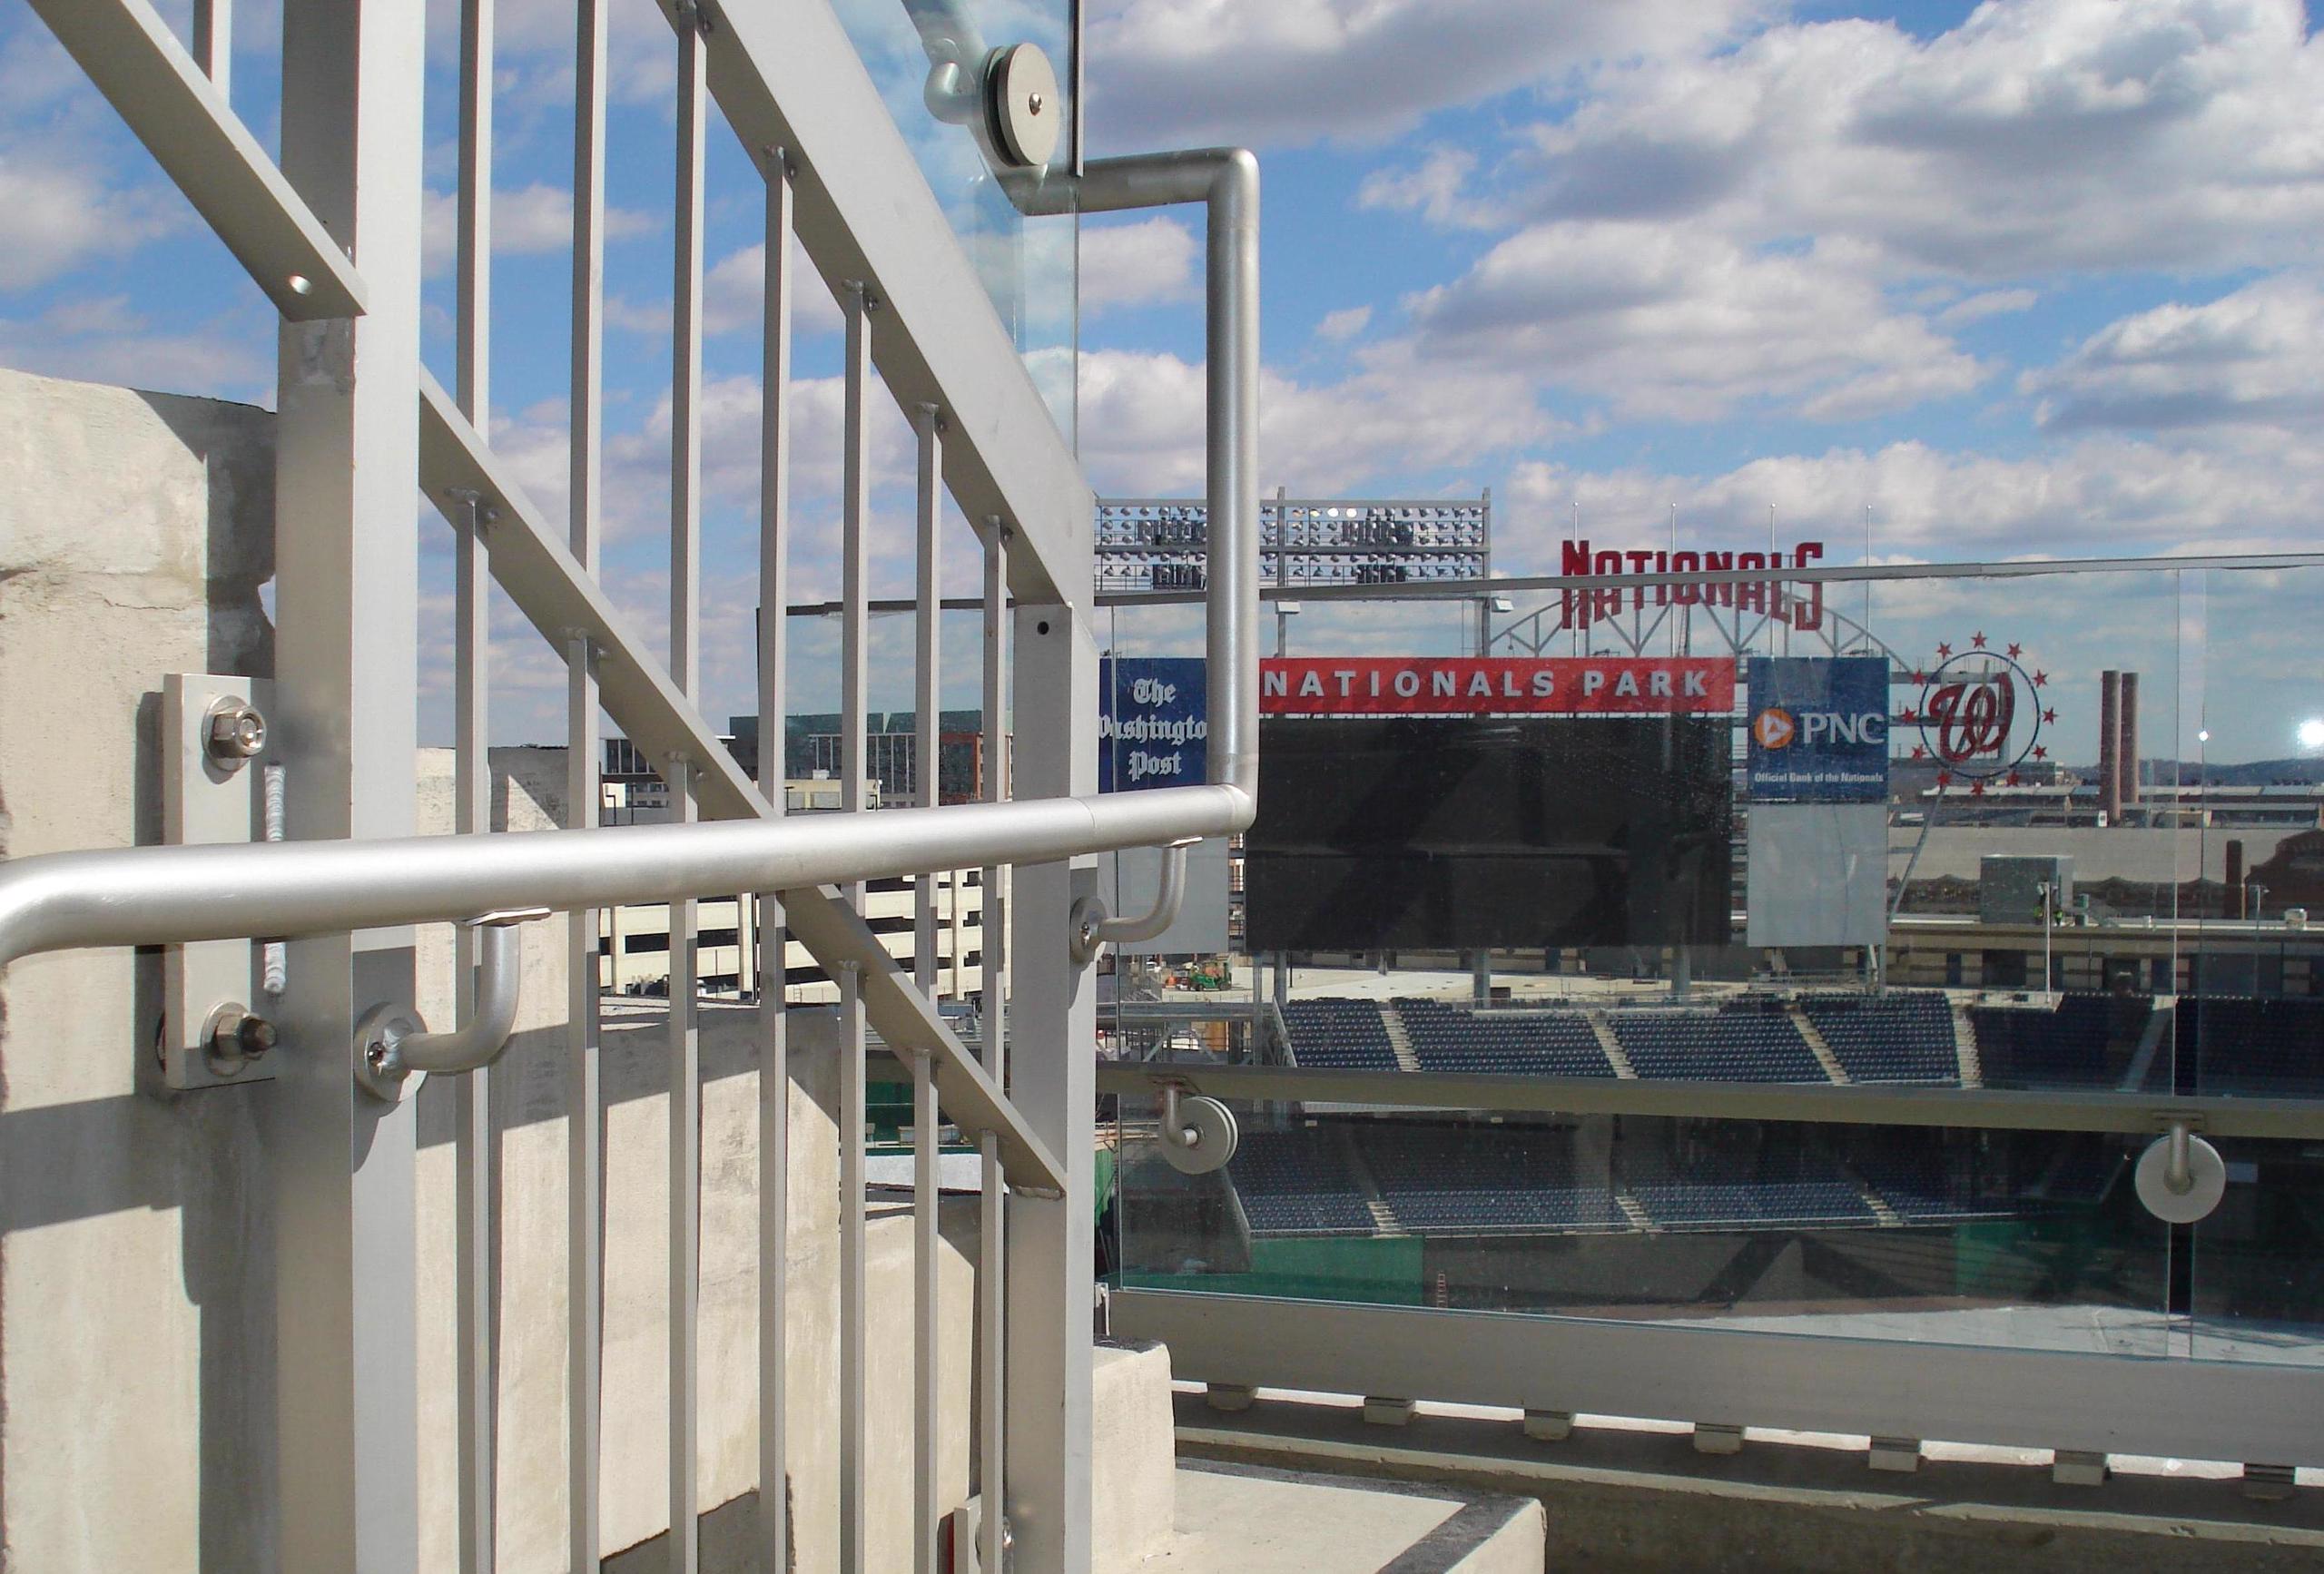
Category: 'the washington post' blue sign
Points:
column 1820, row 729
column 1153, row 723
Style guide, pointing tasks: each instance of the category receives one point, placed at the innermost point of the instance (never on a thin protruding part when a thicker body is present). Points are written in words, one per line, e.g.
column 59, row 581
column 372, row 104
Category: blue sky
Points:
column 2033, row 278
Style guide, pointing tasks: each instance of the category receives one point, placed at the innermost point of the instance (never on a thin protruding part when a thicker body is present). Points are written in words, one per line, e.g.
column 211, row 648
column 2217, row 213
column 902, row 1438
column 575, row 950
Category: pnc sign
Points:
column 1818, row 729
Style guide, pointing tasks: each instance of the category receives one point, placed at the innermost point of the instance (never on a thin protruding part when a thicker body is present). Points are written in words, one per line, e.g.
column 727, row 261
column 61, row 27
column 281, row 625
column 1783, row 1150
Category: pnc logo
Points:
column 1773, row 728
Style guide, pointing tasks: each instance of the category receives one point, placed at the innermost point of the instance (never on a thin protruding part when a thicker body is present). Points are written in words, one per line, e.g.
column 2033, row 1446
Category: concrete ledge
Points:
column 1629, row 1498
column 1264, row 1520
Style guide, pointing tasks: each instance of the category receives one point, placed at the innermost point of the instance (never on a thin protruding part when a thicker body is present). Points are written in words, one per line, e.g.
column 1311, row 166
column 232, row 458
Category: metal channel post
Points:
column 927, row 693
column 686, row 670
column 585, row 1103
column 477, row 1186
column 346, row 556
column 854, row 628
column 774, row 1041
column 1053, row 1027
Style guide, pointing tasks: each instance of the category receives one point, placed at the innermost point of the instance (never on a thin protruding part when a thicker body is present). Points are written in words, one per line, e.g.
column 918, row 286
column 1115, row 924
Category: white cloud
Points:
column 60, row 215
column 1436, row 187
column 1140, row 264
column 1986, row 303
column 2039, row 134
column 2103, row 496
column 2247, row 359
column 105, row 339
column 1167, row 72
column 525, row 221
column 1142, row 423
column 1339, row 327
column 1670, row 322
column 733, row 297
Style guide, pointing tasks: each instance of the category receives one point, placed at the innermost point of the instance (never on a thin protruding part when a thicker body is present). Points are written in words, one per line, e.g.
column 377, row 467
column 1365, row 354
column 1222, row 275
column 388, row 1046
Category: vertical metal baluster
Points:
column 927, row 1513
column 855, row 622
column 478, row 1289
column 990, row 1254
column 686, row 667
column 926, row 696
column 774, row 1044
column 213, row 41
column 584, row 1158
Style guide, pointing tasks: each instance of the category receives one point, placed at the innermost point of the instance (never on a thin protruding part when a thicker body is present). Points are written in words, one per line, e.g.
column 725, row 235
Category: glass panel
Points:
column 2258, row 1279
column 1029, row 266
column 2250, row 1017
column 2030, row 1240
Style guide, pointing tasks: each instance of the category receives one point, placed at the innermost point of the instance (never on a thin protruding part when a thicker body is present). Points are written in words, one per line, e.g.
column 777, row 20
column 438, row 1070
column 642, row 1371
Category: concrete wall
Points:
column 137, row 1339
column 135, row 1301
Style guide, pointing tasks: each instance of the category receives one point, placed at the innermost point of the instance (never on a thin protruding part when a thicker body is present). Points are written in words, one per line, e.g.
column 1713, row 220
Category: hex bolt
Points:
column 1033, row 103
column 236, row 1036
column 236, row 732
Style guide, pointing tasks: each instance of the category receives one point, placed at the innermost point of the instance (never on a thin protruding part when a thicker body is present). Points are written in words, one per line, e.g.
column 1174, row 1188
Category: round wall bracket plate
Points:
column 1028, row 116
column 1215, row 1140
column 2206, row 1173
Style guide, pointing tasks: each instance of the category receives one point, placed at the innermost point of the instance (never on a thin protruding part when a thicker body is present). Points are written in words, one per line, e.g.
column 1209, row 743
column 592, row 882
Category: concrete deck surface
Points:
column 1263, row 1520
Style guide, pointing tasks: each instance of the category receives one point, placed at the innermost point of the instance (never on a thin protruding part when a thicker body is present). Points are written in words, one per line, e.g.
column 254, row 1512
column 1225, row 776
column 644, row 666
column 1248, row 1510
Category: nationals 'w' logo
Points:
column 1980, row 714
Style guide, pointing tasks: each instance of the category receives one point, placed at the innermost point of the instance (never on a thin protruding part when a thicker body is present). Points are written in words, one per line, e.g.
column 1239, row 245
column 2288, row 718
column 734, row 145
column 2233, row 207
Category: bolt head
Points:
column 1033, row 103
column 237, row 732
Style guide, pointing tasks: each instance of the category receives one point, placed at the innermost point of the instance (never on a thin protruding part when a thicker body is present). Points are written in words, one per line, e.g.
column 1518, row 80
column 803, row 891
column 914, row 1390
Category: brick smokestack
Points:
column 2126, row 751
column 2110, row 737
column 2237, row 896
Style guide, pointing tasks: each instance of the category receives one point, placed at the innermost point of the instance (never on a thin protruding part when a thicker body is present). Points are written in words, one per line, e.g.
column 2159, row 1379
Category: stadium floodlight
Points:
column 2312, row 733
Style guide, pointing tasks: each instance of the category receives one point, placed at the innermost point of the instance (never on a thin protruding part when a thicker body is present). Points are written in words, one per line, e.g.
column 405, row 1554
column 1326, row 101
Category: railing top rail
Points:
column 162, row 895
column 1854, row 1103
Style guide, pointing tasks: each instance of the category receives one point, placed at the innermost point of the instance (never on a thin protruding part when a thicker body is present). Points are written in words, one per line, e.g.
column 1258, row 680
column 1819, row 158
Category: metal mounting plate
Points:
column 203, row 802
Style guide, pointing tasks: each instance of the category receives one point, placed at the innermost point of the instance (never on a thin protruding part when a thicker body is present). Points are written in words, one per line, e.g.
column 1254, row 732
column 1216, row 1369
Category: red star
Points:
column 1909, row 715
column 1944, row 778
column 1920, row 677
column 2041, row 751
column 1943, row 651
column 1919, row 752
column 2040, row 677
column 1978, row 639
column 2012, row 651
column 1977, row 789
column 2049, row 715
column 2012, row 781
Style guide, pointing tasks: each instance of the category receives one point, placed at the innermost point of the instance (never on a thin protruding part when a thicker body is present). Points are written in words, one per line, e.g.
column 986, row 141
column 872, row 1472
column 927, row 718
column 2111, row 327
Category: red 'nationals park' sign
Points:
column 1496, row 686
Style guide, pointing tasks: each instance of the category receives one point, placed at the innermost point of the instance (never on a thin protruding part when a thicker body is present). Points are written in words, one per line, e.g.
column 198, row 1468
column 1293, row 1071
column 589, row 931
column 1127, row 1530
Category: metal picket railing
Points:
column 331, row 235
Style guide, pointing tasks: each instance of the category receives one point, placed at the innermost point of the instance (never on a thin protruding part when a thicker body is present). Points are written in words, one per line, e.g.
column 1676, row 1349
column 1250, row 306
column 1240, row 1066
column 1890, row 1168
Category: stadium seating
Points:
column 1296, row 1181
column 1917, row 1183
column 1789, row 1190
column 1345, row 1035
column 2237, row 1044
column 1482, row 1180
column 1903, row 1037
column 1728, row 1046
column 1451, row 1039
column 2069, row 1045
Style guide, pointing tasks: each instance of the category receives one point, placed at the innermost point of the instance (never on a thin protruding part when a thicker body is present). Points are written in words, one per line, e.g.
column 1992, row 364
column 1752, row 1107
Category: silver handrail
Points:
column 1225, row 180
column 163, row 895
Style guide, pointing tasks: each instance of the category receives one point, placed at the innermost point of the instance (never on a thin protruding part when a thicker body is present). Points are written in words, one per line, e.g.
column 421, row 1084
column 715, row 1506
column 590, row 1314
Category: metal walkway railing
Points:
column 332, row 237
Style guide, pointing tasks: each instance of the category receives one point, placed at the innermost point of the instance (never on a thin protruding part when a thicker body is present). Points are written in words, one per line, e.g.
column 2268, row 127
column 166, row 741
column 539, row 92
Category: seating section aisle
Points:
column 1894, row 1037
column 1296, row 1181
column 1345, row 1035
column 1918, row 1185
column 1483, row 1179
column 1731, row 1045
column 1770, row 1191
column 1450, row 1039
column 2236, row 1044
